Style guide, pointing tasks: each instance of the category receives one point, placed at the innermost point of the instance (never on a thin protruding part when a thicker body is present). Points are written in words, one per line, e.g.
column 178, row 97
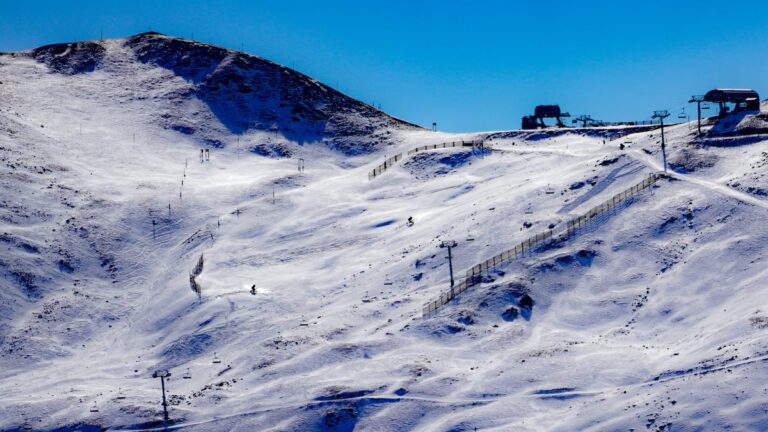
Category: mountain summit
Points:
column 212, row 92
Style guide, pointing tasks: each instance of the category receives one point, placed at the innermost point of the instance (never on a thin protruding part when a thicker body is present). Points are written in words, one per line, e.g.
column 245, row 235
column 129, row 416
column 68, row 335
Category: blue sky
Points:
column 467, row 65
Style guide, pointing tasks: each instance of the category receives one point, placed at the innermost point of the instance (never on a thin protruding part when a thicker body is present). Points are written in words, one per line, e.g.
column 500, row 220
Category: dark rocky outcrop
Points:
column 246, row 92
column 70, row 58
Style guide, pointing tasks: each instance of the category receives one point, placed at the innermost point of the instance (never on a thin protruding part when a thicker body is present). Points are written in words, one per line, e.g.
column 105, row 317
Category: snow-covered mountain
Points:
column 652, row 317
column 208, row 91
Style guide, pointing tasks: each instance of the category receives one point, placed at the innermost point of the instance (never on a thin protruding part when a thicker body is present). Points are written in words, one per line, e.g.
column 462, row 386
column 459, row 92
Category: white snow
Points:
column 654, row 318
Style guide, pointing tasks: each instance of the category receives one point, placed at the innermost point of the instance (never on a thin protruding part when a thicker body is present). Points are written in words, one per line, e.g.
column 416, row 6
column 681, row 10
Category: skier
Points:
column 201, row 155
column 253, row 289
column 410, row 221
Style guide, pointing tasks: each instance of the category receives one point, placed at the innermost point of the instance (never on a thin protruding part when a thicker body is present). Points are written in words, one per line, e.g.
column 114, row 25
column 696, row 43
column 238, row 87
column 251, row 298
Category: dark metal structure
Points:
column 530, row 122
column 541, row 112
column 661, row 115
column 742, row 99
column 697, row 99
column 163, row 374
column 449, row 244
column 585, row 119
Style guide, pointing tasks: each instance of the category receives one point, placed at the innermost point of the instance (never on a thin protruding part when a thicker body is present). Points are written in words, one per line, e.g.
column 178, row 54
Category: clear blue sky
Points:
column 468, row 65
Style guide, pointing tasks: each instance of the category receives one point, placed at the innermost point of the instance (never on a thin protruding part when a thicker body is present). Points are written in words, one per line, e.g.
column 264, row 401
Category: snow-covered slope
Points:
column 652, row 319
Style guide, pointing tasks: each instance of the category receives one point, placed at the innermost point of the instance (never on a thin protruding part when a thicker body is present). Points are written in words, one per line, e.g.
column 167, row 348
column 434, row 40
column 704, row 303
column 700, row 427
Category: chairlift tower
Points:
column 163, row 374
column 698, row 99
column 661, row 115
column 584, row 119
column 449, row 244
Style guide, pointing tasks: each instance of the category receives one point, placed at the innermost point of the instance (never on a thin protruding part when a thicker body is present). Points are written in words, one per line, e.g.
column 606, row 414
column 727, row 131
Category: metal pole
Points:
column 663, row 147
column 449, row 244
column 165, row 404
column 698, row 106
column 163, row 374
column 450, row 264
column 661, row 115
column 698, row 99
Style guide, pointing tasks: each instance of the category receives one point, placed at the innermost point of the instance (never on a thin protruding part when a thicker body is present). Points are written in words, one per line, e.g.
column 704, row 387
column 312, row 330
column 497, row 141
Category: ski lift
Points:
column 187, row 374
column 469, row 236
column 216, row 359
column 120, row 394
column 704, row 107
column 550, row 190
column 387, row 281
column 682, row 115
column 94, row 408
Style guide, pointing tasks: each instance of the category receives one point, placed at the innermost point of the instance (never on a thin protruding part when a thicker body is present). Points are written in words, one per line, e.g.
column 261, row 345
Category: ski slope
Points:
column 652, row 319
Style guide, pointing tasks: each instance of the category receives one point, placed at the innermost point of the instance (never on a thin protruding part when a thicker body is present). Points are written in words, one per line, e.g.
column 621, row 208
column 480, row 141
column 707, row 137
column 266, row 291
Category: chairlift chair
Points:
column 120, row 394
column 216, row 359
column 94, row 408
column 469, row 236
column 550, row 190
column 187, row 374
column 529, row 210
column 387, row 281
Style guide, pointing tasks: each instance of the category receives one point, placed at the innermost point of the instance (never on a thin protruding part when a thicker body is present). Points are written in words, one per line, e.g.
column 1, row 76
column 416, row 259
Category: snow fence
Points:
column 396, row 158
column 474, row 274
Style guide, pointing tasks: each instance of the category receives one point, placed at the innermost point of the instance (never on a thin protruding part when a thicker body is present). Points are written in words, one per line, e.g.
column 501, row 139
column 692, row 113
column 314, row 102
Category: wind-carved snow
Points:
column 652, row 320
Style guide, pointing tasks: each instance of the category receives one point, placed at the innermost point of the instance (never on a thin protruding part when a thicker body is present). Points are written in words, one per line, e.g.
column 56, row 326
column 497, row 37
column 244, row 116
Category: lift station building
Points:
column 741, row 99
column 536, row 121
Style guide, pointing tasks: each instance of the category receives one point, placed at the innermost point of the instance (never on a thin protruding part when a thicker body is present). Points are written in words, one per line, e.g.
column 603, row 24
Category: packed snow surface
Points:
column 309, row 316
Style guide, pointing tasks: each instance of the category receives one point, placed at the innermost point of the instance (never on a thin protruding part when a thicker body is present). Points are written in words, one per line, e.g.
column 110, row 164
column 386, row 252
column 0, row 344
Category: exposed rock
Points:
column 510, row 314
column 70, row 58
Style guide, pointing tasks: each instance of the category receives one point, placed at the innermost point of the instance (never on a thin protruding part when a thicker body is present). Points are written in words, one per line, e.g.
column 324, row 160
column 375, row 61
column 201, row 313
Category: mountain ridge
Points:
column 245, row 93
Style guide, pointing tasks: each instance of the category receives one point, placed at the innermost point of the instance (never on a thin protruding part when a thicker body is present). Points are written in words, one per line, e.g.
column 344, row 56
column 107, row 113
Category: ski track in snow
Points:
column 709, row 184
